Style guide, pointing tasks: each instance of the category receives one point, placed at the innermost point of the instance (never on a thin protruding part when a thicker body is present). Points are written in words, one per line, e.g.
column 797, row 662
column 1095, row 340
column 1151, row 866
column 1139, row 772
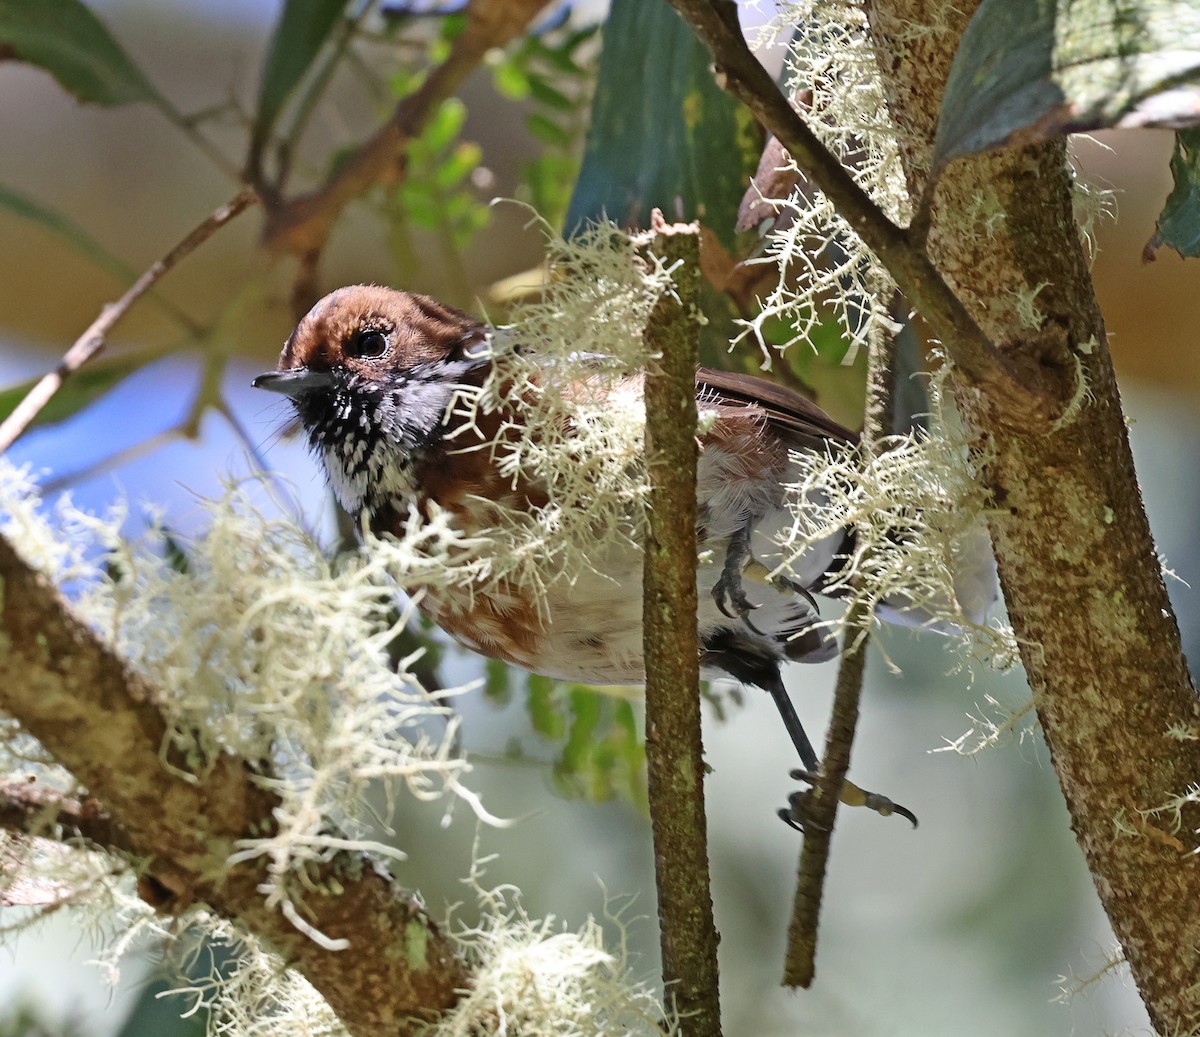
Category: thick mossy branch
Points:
column 674, row 752
column 99, row 719
column 1081, row 578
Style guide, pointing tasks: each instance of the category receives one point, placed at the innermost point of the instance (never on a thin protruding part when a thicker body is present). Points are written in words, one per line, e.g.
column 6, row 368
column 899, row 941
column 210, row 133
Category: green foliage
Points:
column 303, row 28
column 662, row 134
column 1030, row 70
column 67, row 40
column 67, row 230
column 437, row 193
column 600, row 752
column 25, row 1020
column 82, row 389
column 553, row 73
column 1179, row 223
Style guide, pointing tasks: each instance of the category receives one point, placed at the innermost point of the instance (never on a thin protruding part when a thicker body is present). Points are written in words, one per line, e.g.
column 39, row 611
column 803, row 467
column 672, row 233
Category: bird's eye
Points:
column 369, row 344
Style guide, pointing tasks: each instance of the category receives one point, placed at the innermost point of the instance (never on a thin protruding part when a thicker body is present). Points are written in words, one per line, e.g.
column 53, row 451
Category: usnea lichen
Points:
column 538, row 978
column 531, row 977
column 554, row 370
column 823, row 265
column 264, row 648
column 921, row 556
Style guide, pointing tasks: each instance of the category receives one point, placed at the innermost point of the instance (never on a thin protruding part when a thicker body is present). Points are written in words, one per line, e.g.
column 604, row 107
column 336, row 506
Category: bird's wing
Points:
column 793, row 417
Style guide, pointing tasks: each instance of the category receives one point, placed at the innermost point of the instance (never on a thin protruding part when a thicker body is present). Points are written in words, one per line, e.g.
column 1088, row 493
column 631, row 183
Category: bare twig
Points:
column 975, row 357
column 92, row 340
column 35, row 810
column 821, row 806
column 674, row 751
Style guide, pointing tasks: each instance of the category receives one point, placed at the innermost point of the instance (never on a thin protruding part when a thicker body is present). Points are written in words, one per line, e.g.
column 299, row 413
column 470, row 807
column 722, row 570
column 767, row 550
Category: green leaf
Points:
column 68, row 41
column 300, row 33
column 1179, row 222
column 543, row 128
column 497, row 681
column 66, row 229
column 511, row 80
column 661, row 130
column 82, row 388
column 444, row 125
column 545, row 712
column 542, row 92
column 1028, row 70
column 174, row 553
column 457, row 166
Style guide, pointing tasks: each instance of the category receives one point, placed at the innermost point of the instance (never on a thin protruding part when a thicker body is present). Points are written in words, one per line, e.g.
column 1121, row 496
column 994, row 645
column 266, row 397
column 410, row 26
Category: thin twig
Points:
column 821, row 806
column 32, row 809
column 92, row 340
column 976, row 358
column 674, row 750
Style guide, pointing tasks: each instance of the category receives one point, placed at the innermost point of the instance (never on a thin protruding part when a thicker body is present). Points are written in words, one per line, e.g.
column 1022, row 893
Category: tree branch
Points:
column 1081, row 578
column 301, row 225
column 674, row 751
column 99, row 718
column 976, row 358
column 820, row 808
column 92, row 340
column 30, row 809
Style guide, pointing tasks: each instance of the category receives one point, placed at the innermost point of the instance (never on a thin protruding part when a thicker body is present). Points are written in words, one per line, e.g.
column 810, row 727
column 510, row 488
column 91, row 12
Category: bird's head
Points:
column 372, row 373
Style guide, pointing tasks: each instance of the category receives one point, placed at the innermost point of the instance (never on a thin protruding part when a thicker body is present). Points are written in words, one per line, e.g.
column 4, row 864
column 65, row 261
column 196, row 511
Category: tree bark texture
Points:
column 674, row 752
column 1083, row 584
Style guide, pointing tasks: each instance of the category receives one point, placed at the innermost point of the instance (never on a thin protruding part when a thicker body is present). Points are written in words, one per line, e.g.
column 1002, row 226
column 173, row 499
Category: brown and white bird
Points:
column 373, row 372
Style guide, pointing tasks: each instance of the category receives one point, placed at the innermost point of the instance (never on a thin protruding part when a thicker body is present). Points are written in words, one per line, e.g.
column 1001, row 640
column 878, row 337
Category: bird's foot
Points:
column 796, row 813
column 729, row 592
column 730, row 595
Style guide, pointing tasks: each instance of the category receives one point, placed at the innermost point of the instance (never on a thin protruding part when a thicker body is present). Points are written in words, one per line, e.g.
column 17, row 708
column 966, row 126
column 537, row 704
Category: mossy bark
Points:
column 1080, row 574
column 100, row 720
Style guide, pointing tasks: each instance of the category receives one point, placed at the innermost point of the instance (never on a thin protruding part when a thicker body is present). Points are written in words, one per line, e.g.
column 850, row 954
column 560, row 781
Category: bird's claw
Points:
column 729, row 595
column 796, row 814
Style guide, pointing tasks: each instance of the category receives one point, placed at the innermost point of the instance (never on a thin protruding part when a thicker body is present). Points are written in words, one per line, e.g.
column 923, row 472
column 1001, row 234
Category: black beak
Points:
column 295, row 382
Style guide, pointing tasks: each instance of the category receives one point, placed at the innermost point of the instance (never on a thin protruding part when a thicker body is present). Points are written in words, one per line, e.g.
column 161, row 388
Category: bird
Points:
column 372, row 373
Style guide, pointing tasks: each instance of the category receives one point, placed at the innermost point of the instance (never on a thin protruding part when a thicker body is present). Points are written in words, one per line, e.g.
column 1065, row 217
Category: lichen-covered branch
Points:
column 1035, row 382
column 29, row 809
column 821, row 808
column 99, row 719
column 976, row 357
column 1081, row 577
column 674, row 753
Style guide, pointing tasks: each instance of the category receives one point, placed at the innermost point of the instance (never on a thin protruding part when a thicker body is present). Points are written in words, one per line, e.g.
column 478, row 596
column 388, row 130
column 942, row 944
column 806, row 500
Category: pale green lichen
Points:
column 921, row 546
column 1027, row 309
column 822, row 263
column 265, row 649
column 586, row 459
column 993, row 726
column 1081, row 394
column 539, row 979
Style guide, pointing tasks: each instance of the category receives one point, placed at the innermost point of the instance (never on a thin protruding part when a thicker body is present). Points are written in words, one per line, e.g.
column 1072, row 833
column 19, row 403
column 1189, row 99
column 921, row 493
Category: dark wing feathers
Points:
column 792, row 416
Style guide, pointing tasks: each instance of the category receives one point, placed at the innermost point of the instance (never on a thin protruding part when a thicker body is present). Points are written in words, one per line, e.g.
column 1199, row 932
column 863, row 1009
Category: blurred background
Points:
column 974, row 923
